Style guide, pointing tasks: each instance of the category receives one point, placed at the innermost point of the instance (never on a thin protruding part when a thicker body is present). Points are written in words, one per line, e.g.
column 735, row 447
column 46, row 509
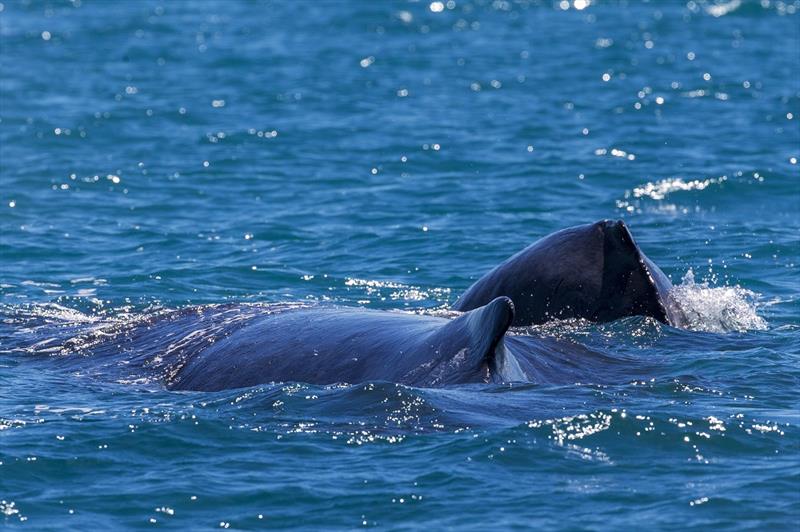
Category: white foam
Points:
column 396, row 291
column 719, row 308
column 720, row 10
column 50, row 312
column 658, row 190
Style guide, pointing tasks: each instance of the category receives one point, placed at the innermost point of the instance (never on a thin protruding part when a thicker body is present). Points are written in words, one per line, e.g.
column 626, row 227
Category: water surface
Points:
column 156, row 155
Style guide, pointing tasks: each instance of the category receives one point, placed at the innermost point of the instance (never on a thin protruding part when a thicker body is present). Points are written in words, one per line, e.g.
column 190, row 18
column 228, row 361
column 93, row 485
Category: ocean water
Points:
column 158, row 155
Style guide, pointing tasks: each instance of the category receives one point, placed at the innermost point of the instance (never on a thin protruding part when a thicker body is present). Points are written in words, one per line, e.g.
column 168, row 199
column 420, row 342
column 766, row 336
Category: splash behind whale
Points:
column 594, row 271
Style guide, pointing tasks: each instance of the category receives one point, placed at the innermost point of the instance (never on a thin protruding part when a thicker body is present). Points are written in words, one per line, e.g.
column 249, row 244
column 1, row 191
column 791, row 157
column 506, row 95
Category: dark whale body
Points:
column 594, row 271
column 217, row 347
column 320, row 345
column 327, row 345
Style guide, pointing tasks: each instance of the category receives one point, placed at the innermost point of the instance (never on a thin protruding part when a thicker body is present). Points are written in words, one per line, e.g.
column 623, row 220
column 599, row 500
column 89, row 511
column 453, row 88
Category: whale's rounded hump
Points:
column 594, row 271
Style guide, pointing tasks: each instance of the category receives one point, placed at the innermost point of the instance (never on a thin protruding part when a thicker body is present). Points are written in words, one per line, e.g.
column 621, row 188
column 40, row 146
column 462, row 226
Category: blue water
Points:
column 157, row 155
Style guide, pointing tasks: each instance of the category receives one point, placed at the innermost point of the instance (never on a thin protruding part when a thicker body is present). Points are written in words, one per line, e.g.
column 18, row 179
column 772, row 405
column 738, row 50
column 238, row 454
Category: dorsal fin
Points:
column 481, row 331
column 486, row 326
column 631, row 283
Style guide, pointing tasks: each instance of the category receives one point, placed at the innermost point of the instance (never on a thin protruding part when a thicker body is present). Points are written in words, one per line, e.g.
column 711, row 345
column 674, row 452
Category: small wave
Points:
column 720, row 10
column 659, row 190
column 43, row 313
column 396, row 291
column 615, row 152
column 558, row 328
column 718, row 309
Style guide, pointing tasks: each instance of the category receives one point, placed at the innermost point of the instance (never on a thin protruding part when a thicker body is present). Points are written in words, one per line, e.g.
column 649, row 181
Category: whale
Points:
column 325, row 345
column 594, row 271
column 351, row 345
column 228, row 346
